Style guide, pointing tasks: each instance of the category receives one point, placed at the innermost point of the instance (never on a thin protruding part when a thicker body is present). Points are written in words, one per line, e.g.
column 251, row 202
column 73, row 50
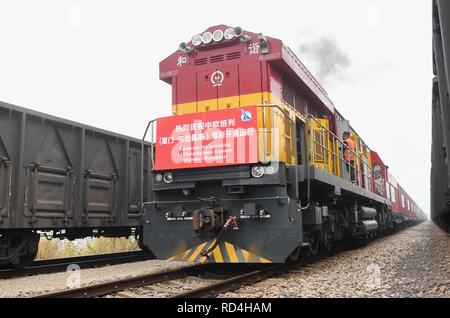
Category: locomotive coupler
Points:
column 230, row 223
column 211, row 201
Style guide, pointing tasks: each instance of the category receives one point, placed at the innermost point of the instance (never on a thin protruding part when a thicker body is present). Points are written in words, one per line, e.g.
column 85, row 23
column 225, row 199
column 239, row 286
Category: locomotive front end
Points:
column 223, row 185
column 216, row 197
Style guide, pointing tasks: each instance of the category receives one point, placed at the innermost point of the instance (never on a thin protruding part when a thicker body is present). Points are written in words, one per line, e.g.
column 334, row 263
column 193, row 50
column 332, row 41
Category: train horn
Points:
column 238, row 32
column 183, row 47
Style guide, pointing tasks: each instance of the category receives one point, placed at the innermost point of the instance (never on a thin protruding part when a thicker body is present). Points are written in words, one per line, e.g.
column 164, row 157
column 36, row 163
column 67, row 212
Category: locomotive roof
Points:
column 279, row 54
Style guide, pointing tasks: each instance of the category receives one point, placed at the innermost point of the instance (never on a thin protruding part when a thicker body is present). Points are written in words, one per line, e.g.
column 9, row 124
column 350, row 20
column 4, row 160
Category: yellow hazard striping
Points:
column 247, row 256
column 205, row 258
column 196, row 252
column 180, row 256
column 263, row 260
column 185, row 254
column 218, row 258
column 217, row 253
column 231, row 252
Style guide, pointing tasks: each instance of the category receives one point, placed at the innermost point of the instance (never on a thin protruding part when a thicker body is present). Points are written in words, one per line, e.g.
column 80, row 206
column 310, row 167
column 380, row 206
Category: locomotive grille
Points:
column 216, row 58
column 4, row 252
column 233, row 56
column 201, row 61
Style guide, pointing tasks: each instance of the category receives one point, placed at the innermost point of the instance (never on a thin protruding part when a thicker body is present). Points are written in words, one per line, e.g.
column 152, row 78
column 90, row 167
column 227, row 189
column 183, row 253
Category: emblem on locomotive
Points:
column 217, row 78
column 246, row 116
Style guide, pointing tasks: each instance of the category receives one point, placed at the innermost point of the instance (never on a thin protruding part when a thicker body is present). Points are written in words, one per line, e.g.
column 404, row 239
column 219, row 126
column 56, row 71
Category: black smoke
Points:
column 327, row 61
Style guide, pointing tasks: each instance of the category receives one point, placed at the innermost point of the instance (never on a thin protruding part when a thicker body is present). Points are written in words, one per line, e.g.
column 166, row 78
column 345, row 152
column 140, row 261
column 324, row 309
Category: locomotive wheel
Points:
column 314, row 244
column 328, row 244
column 328, row 237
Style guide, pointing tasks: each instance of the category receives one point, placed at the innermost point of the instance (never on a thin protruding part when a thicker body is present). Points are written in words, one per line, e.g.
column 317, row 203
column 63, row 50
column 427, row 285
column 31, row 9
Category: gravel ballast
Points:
column 46, row 283
column 412, row 263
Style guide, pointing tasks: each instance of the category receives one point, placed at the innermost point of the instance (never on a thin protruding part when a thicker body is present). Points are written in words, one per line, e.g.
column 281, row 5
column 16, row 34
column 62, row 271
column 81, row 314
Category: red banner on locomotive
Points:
column 208, row 139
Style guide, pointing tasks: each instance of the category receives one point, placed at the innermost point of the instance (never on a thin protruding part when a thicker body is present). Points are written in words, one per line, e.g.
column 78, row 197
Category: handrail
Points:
column 369, row 175
column 150, row 124
column 278, row 107
column 285, row 113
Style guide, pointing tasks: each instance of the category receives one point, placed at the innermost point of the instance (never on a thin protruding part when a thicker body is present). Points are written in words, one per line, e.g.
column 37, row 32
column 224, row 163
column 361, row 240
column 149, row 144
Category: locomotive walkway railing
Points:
column 329, row 137
column 269, row 128
column 151, row 127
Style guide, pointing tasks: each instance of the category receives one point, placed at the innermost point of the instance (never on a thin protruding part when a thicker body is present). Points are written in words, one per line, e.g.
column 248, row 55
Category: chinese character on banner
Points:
column 207, row 139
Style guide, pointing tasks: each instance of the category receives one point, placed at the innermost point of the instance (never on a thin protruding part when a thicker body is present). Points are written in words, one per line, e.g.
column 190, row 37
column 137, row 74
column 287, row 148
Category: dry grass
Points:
column 56, row 248
column 110, row 245
column 50, row 249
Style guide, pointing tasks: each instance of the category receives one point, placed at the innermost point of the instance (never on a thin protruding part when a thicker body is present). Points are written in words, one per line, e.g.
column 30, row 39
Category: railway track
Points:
column 206, row 285
column 252, row 274
column 235, row 282
column 60, row 264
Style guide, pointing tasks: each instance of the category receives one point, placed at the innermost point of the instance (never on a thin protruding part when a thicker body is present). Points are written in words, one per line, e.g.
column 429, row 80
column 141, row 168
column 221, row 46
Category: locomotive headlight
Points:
column 168, row 177
column 218, row 35
column 270, row 170
column 207, row 37
column 257, row 171
column 158, row 177
column 196, row 40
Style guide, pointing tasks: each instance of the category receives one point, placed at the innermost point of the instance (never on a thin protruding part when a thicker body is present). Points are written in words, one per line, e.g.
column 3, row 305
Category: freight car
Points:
column 253, row 165
column 440, row 165
column 64, row 180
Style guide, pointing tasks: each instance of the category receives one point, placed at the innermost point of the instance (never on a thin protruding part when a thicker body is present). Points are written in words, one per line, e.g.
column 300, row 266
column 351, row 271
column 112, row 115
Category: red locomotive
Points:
column 256, row 163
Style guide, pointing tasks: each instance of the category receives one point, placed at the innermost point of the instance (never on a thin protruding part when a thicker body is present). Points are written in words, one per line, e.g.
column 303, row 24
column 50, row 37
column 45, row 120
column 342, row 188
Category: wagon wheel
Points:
column 140, row 241
column 31, row 250
column 143, row 247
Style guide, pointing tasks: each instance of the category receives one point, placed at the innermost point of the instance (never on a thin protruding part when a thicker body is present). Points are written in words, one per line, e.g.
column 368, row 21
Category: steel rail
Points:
column 60, row 264
column 127, row 283
column 235, row 282
column 211, row 290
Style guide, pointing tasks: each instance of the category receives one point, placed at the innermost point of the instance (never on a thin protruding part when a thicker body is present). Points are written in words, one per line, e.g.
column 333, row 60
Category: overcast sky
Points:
column 96, row 62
